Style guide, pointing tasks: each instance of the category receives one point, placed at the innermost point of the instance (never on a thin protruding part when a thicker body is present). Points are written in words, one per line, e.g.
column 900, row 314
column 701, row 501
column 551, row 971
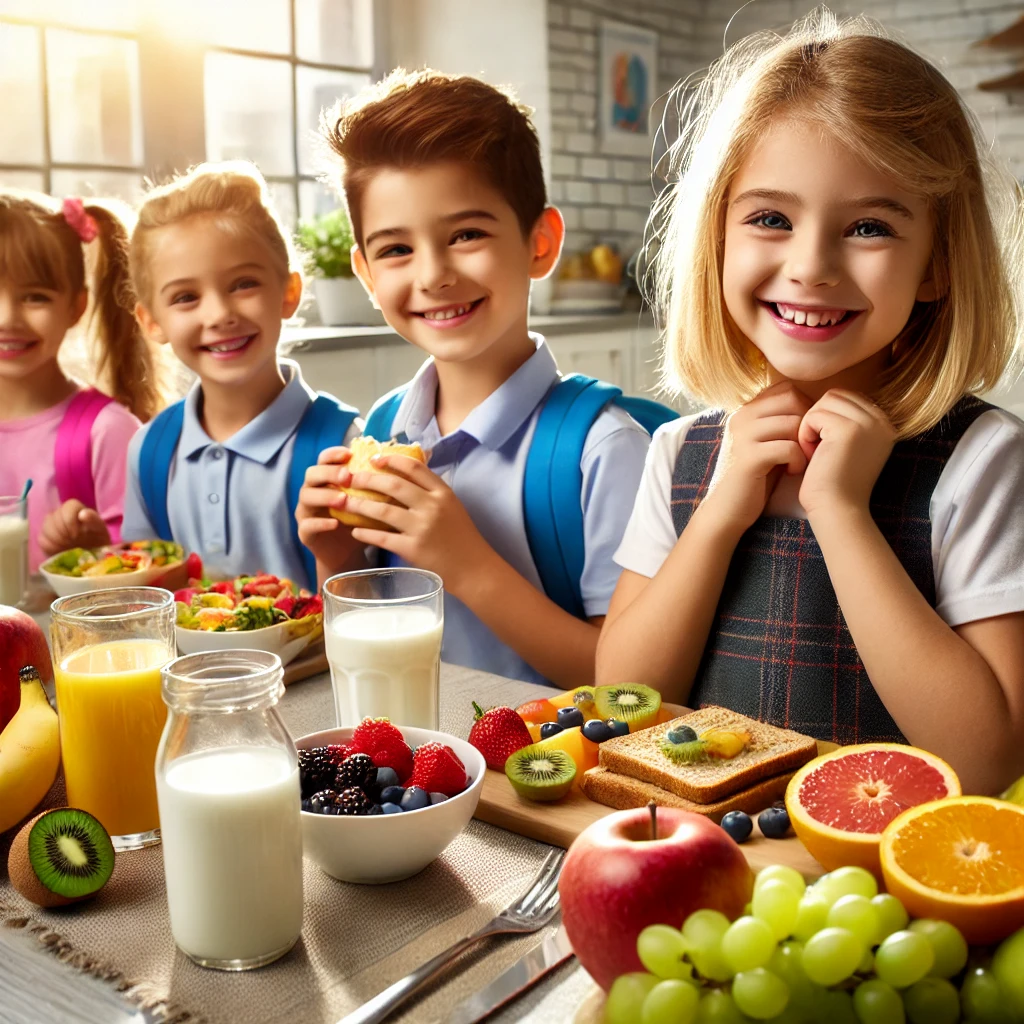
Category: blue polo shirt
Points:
column 229, row 501
column 484, row 460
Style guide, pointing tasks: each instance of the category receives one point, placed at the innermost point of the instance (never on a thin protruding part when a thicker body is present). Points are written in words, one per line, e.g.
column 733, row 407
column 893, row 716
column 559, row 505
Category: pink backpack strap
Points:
column 73, row 453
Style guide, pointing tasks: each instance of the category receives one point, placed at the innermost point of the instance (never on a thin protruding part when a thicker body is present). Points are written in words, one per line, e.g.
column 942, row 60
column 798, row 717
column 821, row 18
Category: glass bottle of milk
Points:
column 227, row 783
column 13, row 549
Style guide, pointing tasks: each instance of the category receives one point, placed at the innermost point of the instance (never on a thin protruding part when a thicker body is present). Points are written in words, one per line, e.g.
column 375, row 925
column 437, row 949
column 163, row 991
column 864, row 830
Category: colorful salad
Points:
column 115, row 558
column 246, row 603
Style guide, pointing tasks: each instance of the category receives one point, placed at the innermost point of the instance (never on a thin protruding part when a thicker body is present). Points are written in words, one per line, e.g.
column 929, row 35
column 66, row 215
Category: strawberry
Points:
column 498, row 734
column 222, row 587
column 185, row 595
column 437, row 769
column 385, row 744
column 194, row 567
column 311, row 604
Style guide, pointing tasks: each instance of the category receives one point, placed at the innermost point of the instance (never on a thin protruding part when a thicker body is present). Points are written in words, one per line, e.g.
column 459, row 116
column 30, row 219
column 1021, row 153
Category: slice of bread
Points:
column 771, row 752
column 363, row 450
column 622, row 793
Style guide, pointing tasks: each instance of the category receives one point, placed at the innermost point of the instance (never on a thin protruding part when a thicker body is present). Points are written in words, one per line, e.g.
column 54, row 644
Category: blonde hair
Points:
column 38, row 246
column 897, row 113
column 234, row 192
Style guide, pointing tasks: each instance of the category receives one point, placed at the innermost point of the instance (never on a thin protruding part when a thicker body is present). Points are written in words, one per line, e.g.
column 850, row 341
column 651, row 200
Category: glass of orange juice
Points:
column 108, row 649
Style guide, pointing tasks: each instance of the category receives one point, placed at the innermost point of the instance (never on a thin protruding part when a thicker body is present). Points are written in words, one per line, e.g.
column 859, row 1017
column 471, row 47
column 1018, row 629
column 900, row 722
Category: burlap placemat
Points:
column 356, row 940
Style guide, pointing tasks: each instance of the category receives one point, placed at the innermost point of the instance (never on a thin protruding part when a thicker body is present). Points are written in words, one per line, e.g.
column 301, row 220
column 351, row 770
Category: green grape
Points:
column 892, row 915
column 850, row 881
column 786, row 963
column 759, row 993
column 831, row 955
column 717, row 1007
column 1008, row 967
column 811, row 915
column 903, row 958
column 875, row 1002
column 711, row 964
column 705, row 928
column 670, row 1002
column 948, row 945
column 748, row 943
column 982, row 998
column 626, row 997
column 857, row 915
column 833, row 1007
column 776, row 904
column 867, row 963
column 661, row 949
column 781, row 873
column 932, row 1001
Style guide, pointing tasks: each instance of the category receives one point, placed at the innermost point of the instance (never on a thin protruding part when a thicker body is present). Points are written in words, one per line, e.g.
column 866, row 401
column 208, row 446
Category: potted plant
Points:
column 327, row 240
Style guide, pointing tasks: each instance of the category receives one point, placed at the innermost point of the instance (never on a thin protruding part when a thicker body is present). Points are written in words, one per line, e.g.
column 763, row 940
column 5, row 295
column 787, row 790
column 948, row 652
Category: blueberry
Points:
column 386, row 777
column 415, row 799
column 375, row 809
column 306, row 805
column 597, row 731
column 618, row 727
column 774, row 822
column 549, row 729
column 681, row 734
column 389, row 808
column 437, row 798
column 320, row 803
column 738, row 825
column 392, row 794
column 569, row 718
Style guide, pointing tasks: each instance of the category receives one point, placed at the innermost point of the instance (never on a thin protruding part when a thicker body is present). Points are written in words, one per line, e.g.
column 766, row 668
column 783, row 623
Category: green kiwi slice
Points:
column 684, row 753
column 633, row 703
column 70, row 853
column 540, row 773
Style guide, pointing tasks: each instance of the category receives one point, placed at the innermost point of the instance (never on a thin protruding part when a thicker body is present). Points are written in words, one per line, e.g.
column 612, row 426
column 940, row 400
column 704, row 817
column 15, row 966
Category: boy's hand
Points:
column 73, row 525
column 759, row 444
column 847, row 440
column 433, row 529
column 330, row 541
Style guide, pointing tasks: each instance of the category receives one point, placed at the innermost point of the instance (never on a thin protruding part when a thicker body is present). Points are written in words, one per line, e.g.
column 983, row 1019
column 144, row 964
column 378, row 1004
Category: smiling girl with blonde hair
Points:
column 837, row 546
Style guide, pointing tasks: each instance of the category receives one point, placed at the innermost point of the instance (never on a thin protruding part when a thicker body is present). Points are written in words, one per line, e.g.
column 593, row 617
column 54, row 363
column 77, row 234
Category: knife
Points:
column 540, row 960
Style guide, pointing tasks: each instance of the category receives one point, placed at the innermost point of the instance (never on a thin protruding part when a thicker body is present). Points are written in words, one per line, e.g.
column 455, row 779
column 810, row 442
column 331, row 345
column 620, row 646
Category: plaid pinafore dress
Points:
column 779, row 649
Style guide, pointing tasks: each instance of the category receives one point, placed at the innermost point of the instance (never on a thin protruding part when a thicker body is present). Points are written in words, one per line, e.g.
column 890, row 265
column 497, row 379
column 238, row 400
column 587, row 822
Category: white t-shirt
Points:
column 976, row 511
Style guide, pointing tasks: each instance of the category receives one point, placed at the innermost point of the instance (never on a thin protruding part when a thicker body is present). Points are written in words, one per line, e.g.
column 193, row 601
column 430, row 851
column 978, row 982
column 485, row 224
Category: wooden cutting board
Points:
column 311, row 662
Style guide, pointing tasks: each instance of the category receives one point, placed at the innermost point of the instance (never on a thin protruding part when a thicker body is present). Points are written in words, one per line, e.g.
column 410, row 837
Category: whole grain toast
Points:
column 771, row 752
column 622, row 792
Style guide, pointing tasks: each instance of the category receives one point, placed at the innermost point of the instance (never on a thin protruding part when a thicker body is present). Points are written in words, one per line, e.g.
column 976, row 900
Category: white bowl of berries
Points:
column 380, row 803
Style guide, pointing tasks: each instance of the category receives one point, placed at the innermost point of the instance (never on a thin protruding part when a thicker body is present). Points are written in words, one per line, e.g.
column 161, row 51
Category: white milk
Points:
column 386, row 662
column 229, row 820
column 13, row 559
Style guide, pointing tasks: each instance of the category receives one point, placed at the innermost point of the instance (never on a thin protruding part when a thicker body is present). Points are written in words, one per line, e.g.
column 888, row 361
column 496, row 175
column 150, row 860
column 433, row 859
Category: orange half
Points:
column 960, row 860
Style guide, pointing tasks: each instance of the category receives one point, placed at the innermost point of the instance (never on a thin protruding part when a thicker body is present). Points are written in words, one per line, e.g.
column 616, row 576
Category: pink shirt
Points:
column 27, row 450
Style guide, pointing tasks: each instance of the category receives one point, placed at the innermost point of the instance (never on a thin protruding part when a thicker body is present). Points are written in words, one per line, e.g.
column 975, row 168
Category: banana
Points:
column 29, row 754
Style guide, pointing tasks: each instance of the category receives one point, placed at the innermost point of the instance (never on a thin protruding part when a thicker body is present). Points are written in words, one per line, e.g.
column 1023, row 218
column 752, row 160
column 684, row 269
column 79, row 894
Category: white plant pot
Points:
column 343, row 302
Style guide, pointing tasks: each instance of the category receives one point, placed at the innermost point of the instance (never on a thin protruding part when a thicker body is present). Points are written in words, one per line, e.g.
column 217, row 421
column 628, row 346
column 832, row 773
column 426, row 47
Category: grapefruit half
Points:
column 840, row 803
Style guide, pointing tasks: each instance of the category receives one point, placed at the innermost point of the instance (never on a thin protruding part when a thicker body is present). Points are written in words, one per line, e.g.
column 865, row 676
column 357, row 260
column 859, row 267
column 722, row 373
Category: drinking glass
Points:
column 108, row 649
column 383, row 636
column 13, row 549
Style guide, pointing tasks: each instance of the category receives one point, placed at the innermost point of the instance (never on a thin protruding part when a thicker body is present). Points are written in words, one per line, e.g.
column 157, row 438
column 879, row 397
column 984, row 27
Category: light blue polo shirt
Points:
column 484, row 460
column 229, row 501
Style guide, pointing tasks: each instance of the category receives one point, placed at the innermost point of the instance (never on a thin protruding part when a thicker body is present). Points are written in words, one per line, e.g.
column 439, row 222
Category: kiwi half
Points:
column 633, row 703
column 540, row 773
column 61, row 856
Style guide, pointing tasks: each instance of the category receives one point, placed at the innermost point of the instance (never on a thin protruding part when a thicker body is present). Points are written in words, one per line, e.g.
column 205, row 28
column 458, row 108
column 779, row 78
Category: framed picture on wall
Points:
column 628, row 73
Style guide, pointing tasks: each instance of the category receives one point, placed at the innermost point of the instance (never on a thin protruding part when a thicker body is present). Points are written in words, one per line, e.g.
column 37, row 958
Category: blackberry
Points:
column 353, row 801
column 316, row 770
column 354, row 771
column 319, row 802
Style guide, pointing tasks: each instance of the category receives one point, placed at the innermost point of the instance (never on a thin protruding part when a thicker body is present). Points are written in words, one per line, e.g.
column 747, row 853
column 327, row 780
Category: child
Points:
column 445, row 191
column 220, row 471
column 69, row 439
column 841, row 550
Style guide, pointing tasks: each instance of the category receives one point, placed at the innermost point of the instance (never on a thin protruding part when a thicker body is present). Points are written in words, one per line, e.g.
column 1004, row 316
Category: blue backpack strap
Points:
column 648, row 413
column 382, row 415
column 155, row 457
column 324, row 425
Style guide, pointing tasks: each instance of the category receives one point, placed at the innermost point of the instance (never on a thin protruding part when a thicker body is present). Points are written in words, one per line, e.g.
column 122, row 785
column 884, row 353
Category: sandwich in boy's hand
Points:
column 363, row 450
column 710, row 761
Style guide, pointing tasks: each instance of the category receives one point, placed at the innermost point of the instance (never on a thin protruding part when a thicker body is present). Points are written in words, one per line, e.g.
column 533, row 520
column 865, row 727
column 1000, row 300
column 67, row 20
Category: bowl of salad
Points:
column 137, row 563
column 255, row 613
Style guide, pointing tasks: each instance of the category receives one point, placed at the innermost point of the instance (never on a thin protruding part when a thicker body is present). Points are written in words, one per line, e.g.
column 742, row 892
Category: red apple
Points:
column 22, row 643
column 616, row 881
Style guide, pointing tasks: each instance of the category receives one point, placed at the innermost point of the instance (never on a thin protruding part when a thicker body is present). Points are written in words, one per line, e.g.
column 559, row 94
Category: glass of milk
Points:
column 383, row 636
column 13, row 549
column 227, row 781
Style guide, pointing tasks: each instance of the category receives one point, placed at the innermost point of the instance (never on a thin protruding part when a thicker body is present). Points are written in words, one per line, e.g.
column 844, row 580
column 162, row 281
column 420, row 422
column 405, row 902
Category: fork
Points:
column 531, row 912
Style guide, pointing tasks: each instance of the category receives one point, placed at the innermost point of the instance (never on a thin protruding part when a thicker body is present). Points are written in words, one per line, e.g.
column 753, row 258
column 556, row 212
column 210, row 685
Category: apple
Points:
column 22, row 643
column 616, row 880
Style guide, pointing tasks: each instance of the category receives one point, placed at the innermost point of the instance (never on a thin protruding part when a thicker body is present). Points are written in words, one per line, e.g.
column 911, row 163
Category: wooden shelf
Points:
column 1008, row 83
column 1009, row 39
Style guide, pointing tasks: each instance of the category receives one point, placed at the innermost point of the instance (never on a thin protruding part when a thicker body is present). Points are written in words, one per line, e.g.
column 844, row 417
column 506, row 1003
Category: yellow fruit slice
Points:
column 960, row 860
column 582, row 697
column 576, row 745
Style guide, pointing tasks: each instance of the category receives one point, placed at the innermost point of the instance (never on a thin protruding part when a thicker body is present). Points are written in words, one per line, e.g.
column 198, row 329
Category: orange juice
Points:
column 111, row 717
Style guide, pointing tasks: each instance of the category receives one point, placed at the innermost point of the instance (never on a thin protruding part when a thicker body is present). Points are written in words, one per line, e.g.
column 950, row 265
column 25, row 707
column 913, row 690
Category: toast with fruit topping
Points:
column 707, row 755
